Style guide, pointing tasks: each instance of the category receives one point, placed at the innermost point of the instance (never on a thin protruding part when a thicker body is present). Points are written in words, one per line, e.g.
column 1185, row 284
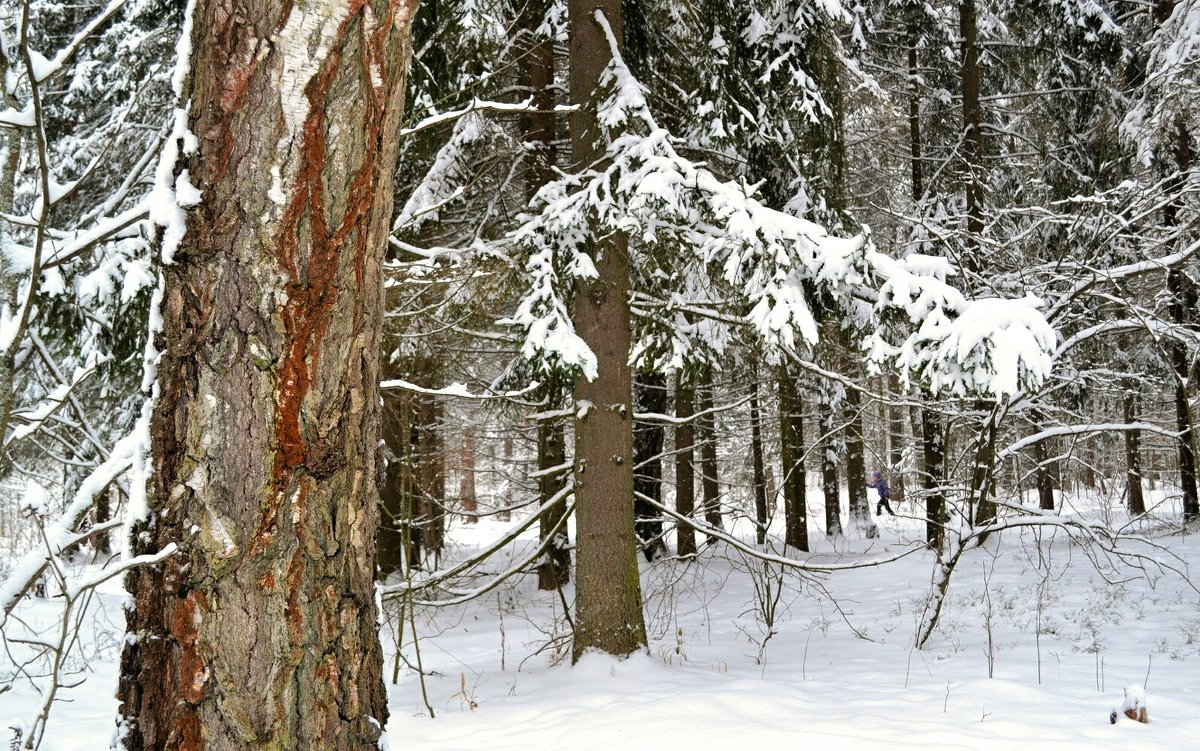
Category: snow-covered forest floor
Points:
column 838, row 670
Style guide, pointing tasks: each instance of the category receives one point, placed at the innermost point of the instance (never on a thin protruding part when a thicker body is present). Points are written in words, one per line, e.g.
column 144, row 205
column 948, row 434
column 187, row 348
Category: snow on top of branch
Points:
column 1170, row 88
column 785, row 270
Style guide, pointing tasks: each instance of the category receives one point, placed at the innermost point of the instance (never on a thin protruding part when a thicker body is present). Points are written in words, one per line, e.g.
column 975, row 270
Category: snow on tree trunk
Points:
column 262, row 631
column 608, row 592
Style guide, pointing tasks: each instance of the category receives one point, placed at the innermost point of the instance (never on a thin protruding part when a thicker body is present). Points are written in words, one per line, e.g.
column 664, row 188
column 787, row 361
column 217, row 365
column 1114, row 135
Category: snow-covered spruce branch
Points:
column 436, row 578
column 76, row 596
column 27, row 421
column 60, row 535
column 482, row 105
column 457, row 597
column 792, row 563
column 1015, row 448
column 777, row 263
column 458, row 390
column 1117, row 273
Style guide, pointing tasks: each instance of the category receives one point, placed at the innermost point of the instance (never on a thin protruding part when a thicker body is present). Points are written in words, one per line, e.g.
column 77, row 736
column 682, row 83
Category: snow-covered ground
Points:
column 839, row 670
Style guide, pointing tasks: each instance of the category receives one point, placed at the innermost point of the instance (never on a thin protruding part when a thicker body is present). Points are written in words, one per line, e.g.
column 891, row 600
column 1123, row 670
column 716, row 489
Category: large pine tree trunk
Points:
column 791, row 451
column 685, row 456
column 261, row 631
column 608, row 592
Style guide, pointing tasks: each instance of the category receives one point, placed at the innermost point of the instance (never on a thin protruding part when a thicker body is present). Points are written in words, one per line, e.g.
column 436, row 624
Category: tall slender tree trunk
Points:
column 650, row 395
column 897, row 438
column 933, row 447
column 1183, row 313
column 791, row 452
column 261, row 631
column 555, row 570
column 972, row 131
column 1133, row 453
column 756, row 459
column 685, row 457
column 468, row 498
column 10, row 161
column 608, row 592
column 983, row 473
column 830, row 452
column 431, row 476
column 1044, row 471
column 540, row 131
column 856, row 467
column 706, row 433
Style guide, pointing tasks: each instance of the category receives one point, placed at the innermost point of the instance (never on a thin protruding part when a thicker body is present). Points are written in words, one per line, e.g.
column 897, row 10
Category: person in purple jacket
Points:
column 884, row 491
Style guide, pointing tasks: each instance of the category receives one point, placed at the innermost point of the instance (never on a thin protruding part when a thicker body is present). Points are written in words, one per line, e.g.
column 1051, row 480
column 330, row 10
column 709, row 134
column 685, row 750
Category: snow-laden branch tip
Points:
column 459, row 390
column 785, row 271
column 483, row 105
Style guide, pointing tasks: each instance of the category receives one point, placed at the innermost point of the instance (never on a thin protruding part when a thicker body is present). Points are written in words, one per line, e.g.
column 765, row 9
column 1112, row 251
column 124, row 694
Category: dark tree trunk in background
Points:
column 555, row 570
column 933, row 447
column 1045, row 471
column 706, row 435
column 685, row 457
column 791, row 451
column 650, row 395
column 761, row 519
column 856, row 467
column 983, row 473
column 394, row 538
column 830, row 451
column 972, row 132
column 896, row 442
column 1133, row 453
column 468, row 499
column 608, row 597
column 1183, row 313
column 540, row 130
column 431, row 476
column 261, row 631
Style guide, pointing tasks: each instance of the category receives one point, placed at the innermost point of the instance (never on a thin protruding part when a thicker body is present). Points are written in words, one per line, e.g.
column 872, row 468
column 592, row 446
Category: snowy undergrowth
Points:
column 838, row 671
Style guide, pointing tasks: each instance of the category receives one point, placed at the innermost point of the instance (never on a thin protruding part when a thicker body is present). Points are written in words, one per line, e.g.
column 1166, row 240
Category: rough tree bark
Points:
column 261, row 631
column 608, row 597
column 685, row 472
